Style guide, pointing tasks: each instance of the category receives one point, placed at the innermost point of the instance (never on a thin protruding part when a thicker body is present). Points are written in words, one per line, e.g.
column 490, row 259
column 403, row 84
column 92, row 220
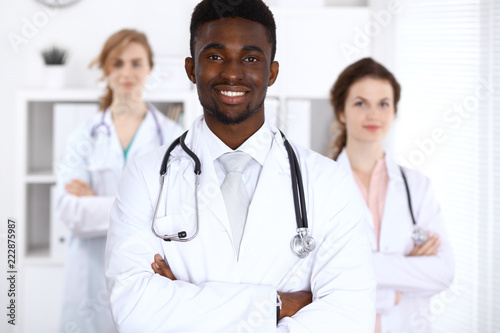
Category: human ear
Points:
column 342, row 117
column 189, row 66
column 275, row 68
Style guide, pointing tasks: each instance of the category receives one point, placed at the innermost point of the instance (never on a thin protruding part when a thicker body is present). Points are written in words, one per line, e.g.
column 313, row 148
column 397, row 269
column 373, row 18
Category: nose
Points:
column 126, row 70
column 372, row 112
column 232, row 70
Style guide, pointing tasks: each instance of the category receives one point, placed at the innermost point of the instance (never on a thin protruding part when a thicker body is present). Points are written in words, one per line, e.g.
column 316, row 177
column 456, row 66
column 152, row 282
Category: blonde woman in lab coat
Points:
column 364, row 99
column 95, row 155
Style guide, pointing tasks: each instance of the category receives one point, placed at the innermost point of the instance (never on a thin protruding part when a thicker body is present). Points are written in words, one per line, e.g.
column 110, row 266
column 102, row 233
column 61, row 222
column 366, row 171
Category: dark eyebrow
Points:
column 253, row 48
column 214, row 46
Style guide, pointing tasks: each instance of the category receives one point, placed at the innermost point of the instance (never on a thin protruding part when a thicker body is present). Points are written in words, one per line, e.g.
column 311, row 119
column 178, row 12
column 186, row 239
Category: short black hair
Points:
column 253, row 10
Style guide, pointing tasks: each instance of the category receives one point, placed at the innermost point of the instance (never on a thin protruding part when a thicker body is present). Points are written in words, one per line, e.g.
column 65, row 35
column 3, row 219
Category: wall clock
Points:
column 57, row 3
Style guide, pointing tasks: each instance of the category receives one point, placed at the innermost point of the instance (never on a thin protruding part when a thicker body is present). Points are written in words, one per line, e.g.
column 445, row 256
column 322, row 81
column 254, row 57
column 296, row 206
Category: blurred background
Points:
column 445, row 54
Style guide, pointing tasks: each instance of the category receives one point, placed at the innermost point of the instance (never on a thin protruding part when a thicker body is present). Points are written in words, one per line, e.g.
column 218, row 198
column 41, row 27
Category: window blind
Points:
column 492, row 69
column 447, row 58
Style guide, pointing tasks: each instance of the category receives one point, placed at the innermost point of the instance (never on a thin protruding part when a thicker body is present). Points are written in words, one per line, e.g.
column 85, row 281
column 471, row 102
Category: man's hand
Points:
column 293, row 302
column 159, row 266
column 429, row 248
column 79, row 188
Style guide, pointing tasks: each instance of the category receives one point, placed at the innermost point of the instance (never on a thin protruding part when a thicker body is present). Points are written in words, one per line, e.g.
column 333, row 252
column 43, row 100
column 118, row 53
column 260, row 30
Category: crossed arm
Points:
column 429, row 248
column 291, row 302
column 79, row 188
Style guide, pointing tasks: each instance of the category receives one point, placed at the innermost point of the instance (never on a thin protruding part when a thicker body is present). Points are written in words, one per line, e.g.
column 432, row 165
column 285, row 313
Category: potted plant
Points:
column 55, row 60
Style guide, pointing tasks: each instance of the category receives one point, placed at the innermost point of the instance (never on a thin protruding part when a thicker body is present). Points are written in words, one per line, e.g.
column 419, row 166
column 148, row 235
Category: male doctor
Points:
column 228, row 278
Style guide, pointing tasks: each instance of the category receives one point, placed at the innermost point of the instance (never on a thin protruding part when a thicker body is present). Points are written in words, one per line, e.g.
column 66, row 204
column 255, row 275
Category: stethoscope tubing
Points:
column 419, row 235
column 297, row 186
column 305, row 223
column 180, row 236
column 102, row 123
column 408, row 196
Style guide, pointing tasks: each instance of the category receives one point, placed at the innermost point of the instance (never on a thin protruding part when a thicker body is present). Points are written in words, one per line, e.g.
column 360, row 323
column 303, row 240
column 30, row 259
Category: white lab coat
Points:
column 216, row 293
column 418, row 278
column 85, row 303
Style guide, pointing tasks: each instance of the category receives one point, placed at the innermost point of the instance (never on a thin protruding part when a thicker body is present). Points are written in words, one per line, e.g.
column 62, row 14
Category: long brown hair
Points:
column 366, row 67
column 112, row 49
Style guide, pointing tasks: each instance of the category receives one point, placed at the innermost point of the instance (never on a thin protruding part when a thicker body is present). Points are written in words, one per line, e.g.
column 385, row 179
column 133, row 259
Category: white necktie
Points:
column 235, row 193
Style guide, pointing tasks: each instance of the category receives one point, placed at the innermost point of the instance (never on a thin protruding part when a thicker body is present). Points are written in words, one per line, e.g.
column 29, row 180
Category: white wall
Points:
column 317, row 2
column 82, row 28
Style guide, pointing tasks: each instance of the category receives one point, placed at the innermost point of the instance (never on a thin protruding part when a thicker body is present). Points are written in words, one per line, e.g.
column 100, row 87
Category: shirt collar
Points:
column 257, row 146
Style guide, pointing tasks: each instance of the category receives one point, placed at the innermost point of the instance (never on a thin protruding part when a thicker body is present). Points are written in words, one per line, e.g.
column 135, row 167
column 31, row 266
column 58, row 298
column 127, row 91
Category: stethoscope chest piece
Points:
column 419, row 235
column 302, row 244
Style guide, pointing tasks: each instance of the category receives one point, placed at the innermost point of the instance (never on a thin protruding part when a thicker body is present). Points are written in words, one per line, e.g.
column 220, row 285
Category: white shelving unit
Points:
column 41, row 239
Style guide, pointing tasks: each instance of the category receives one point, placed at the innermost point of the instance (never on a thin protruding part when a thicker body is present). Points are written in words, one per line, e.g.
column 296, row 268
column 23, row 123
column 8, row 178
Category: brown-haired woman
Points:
column 96, row 153
column 409, row 269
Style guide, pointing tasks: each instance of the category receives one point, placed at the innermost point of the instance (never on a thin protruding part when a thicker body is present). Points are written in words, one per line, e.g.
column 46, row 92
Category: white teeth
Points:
column 232, row 93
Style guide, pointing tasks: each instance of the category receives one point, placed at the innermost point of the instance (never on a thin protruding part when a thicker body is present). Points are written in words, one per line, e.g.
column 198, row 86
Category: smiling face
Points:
column 369, row 110
column 128, row 72
column 232, row 69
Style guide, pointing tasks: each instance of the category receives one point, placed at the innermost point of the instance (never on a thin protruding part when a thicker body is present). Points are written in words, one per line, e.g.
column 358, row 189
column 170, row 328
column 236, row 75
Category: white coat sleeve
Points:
column 84, row 216
column 422, row 275
column 142, row 301
column 342, row 279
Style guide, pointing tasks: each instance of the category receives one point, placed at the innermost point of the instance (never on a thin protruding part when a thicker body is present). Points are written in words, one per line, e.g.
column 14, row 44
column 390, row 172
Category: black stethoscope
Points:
column 419, row 235
column 302, row 243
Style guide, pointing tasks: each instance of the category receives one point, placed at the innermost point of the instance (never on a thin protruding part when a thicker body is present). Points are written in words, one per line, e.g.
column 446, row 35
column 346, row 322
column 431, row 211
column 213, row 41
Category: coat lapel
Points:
column 271, row 218
column 343, row 160
column 115, row 153
column 146, row 136
column 396, row 210
column 274, row 175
